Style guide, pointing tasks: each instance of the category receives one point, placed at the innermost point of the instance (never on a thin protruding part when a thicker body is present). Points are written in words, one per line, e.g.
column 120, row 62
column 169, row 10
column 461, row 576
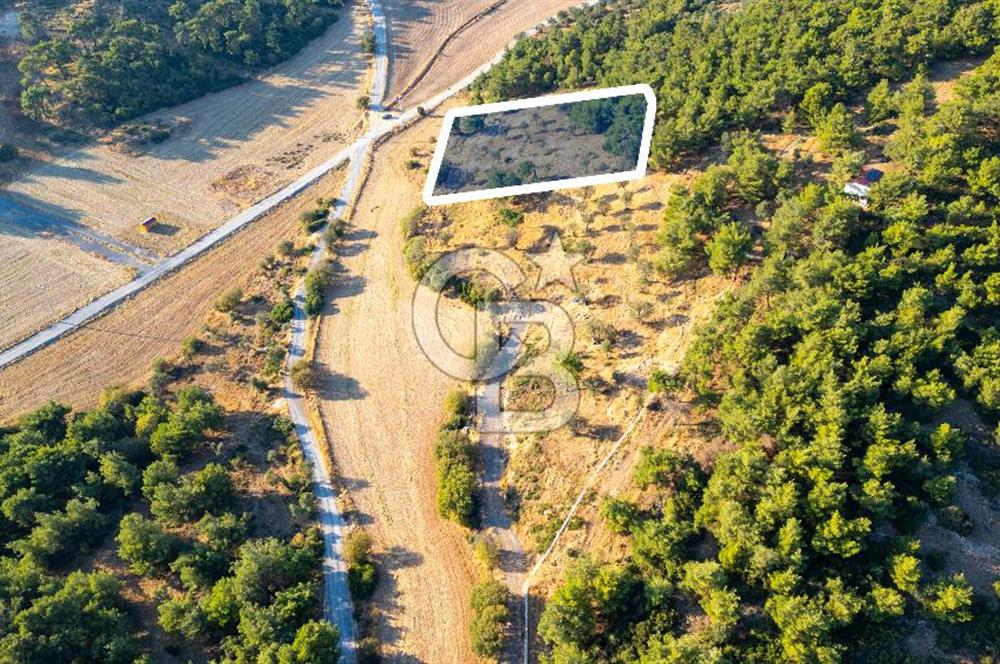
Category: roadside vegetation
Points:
column 99, row 64
column 456, row 459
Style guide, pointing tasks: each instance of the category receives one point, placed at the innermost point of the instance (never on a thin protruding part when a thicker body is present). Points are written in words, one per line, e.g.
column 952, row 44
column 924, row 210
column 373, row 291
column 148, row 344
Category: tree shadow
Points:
column 338, row 387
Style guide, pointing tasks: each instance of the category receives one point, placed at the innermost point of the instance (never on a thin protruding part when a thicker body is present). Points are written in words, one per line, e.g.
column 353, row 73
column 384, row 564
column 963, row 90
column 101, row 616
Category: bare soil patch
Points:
column 381, row 406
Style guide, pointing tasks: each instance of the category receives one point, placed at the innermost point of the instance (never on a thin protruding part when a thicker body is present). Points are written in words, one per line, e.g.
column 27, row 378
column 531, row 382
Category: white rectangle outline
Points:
column 551, row 185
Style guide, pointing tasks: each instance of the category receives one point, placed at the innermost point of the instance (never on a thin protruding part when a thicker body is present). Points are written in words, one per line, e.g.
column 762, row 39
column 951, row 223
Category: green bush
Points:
column 457, row 484
column 510, row 217
column 313, row 220
column 317, row 282
column 490, row 618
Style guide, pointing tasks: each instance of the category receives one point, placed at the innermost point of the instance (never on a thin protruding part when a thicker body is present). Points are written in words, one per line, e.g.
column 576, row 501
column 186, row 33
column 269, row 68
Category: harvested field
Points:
column 43, row 279
column 285, row 121
column 381, row 402
column 420, row 27
column 119, row 347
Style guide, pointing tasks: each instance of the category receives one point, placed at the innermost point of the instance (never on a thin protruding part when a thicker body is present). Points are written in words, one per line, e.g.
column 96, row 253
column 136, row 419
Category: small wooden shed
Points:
column 147, row 224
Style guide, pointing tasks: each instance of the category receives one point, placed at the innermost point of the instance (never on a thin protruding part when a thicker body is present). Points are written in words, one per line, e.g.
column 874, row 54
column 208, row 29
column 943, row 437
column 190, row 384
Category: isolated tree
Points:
column 304, row 377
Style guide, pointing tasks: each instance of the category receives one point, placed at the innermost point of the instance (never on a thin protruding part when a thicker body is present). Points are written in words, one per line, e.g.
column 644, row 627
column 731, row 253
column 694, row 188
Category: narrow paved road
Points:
column 337, row 606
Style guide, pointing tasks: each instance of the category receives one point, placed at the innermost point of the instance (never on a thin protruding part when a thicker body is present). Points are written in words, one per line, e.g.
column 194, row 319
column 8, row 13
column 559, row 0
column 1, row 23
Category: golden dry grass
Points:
column 419, row 27
column 381, row 404
column 44, row 279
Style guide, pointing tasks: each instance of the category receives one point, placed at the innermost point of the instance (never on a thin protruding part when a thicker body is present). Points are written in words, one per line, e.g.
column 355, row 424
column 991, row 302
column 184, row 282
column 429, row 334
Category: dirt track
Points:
column 419, row 27
column 382, row 405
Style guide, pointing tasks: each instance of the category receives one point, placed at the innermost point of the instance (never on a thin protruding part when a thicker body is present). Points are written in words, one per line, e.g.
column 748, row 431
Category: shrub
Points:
column 368, row 43
column 357, row 546
column 417, row 258
column 190, row 347
column 410, row 223
column 490, row 617
column 313, row 220
column 304, row 377
column 457, row 483
column 316, row 286
column 282, row 312
column 510, row 217
column 571, row 362
column 662, row 381
column 487, row 552
column 362, row 579
column 334, row 232
column 229, row 300
column 456, row 409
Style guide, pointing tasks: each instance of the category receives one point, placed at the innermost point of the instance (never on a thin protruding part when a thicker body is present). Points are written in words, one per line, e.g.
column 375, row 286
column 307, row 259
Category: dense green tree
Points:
column 836, row 131
column 144, row 545
column 80, row 619
column 879, row 105
column 728, row 249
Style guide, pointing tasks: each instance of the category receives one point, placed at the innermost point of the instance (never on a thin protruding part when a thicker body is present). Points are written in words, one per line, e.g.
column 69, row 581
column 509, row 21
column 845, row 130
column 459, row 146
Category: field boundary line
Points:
column 440, row 49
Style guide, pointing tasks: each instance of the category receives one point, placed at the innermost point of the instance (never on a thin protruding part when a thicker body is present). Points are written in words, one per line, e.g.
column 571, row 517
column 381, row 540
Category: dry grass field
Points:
column 419, row 27
column 43, row 279
column 225, row 150
column 628, row 321
column 119, row 347
column 382, row 397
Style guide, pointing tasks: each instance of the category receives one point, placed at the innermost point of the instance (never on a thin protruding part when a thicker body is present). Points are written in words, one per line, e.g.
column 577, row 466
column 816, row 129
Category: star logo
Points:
column 555, row 265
